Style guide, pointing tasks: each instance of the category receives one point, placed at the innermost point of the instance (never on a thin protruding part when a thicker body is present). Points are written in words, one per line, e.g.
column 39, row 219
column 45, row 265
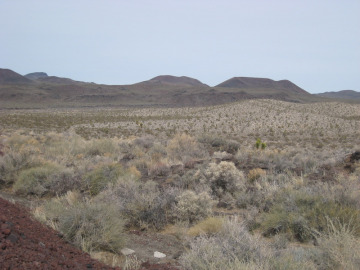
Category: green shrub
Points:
column 12, row 163
column 35, row 181
column 98, row 147
column 99, row 178
column 301, row 215
column 221, row 144
column 260, row 145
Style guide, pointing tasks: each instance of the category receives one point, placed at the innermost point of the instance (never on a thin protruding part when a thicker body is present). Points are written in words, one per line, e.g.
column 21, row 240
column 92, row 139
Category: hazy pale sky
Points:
column 313, row 43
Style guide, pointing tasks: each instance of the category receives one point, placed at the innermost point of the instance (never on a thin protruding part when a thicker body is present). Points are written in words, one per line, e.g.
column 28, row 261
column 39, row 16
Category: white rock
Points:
column 127, row 251
column 158, row 254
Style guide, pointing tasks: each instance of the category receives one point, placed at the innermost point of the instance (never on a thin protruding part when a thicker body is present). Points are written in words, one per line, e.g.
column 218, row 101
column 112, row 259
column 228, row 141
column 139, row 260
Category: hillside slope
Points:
column 343, row 94
column 44, row 91
column 8, row 76
column 261, row 83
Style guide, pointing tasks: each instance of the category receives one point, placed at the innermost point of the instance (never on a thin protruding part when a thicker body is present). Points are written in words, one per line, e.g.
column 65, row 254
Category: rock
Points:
column 159, row 255
column 127, row 251
column 13, row 238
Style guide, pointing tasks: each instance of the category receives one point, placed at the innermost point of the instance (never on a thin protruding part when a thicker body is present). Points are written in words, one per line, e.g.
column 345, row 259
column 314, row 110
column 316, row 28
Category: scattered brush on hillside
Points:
column 187, row 170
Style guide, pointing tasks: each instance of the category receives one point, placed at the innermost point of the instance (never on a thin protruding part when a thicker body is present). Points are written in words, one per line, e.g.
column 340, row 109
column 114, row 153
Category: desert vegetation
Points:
column 258, row 184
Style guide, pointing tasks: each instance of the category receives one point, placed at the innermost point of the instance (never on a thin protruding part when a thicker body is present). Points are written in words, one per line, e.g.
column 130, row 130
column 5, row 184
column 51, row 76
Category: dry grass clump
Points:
column 208, row 226
column 90, row 226
column 340, row 246
column 300, row 214
column 17, row 157
column 142, row 204
column 255, row 174
column 184, row 148
column 158, row 168
column 281, row 161
column 233, row 247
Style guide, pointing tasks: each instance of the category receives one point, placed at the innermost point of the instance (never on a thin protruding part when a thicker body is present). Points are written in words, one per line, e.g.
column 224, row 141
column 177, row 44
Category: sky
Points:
column 315, row 44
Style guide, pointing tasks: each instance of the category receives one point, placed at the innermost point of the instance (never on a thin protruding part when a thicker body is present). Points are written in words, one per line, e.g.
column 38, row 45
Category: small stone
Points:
column 127, row 251
column 159, row 255
column 6, row 231
column 13, row 238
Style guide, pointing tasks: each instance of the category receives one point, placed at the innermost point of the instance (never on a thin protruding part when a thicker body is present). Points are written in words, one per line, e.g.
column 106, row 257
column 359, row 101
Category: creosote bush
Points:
column 224, row 178
column 37, row 180
column 220, row 144
column 193, row 207
column 101, row 176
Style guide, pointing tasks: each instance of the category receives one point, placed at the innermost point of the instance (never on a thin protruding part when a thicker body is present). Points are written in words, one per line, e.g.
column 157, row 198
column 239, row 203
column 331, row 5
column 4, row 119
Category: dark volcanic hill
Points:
column 261, row 83
column 41, row 91
column 8, row 76
column 174, row 80
column 56, row 80
column 36, row 75
column 343, row 94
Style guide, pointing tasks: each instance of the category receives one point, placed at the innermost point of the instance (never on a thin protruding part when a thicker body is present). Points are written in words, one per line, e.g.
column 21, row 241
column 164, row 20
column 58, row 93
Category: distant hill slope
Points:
column 56, row 80
column 343, row 94
column 261, row 83
column 36, row 75
column 17, row 91
column 8, row 76
column 174, row 80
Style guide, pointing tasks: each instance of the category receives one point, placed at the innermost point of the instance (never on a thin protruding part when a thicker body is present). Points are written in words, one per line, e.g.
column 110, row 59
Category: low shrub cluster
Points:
column 302, row 215
column 90, row 226
column 220, row 144
column 193, row 207
column 141, row 204
column 224, row 178
column 103, row 187
column 45, row 179
column 96, row 180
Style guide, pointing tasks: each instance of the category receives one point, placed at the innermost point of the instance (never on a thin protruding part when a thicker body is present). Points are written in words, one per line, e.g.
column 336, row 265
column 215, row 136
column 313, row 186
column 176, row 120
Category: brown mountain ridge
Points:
column 250, row 82
column 38, row 90
column 343, row 94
